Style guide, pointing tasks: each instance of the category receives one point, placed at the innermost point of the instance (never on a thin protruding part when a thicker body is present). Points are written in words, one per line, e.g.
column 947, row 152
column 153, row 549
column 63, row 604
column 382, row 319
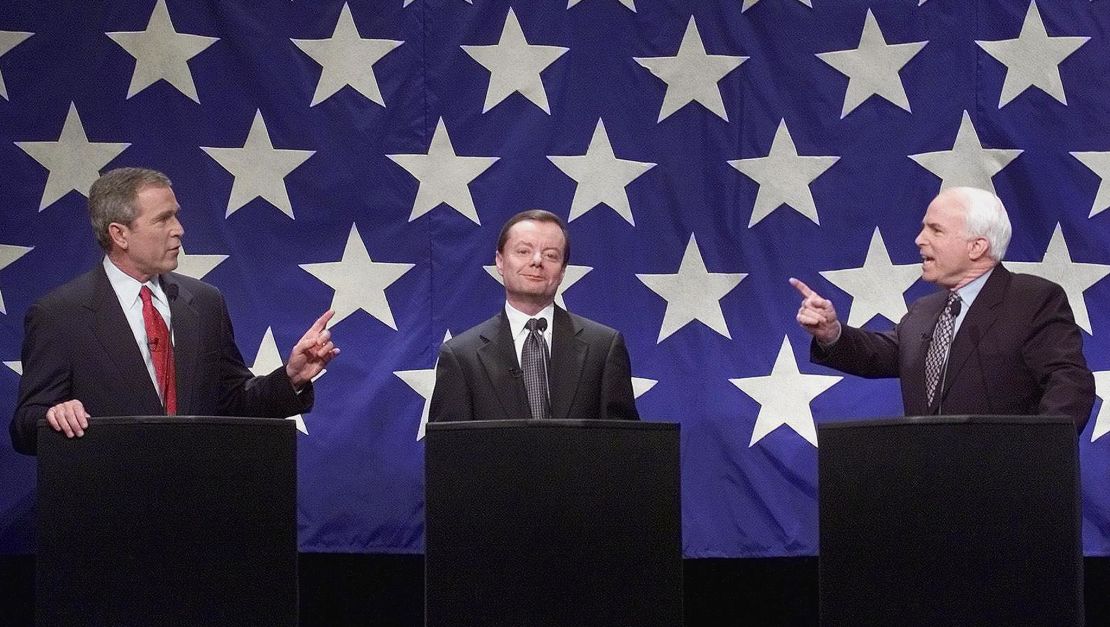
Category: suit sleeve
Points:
column 46, row 377
column 618, row 401
column 1053, row 352
column 451, row 397
column 862, row 353
column 243, row 394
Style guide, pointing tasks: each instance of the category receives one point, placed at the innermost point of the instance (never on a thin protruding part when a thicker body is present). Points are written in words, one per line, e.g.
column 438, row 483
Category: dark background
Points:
column 345, row 589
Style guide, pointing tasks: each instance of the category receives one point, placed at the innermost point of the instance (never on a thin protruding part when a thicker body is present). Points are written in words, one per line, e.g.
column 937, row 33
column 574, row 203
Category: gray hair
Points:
column 985, row 217
column 112, row 198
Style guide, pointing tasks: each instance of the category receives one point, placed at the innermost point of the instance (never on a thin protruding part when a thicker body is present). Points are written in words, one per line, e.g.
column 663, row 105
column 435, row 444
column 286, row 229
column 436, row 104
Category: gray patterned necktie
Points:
column 942, row 342
column 534, row 363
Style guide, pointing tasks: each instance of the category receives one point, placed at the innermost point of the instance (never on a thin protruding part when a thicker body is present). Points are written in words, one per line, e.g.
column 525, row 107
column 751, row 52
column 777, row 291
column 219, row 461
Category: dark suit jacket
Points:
column 1017, row 352
column 478, row 377
column 77, row 345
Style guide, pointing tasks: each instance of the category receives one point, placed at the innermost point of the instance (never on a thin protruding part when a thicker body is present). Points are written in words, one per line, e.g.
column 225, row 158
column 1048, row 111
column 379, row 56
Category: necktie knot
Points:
column 536, row 325
column 145, row 294
column 953, row 304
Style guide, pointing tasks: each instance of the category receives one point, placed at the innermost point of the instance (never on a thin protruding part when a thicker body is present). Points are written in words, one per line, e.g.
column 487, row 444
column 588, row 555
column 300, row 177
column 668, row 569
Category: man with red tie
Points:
column 132, row 337
column 990, row 342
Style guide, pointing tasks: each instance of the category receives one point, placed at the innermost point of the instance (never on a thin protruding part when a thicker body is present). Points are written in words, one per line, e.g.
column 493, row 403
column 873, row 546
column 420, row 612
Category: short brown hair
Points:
column 112, row 198
column 538, row 215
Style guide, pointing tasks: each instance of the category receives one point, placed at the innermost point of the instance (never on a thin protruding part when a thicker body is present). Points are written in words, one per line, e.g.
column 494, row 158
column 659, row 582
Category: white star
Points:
column 692, row 293
column 572, row 275
column 197, row 266
column 444, row 177
column 9, row 40
column 15, row 366
column 162, row 53
column 872, row 67
column 692, row 74
column 601, row 176
column 631, row 4
column 1032, row 59
column 73, row 161
column 641, row 386
column 784, row 396
column 1074, row 277
column 8, row 255
column 968, row 164
column 876, row 287
column 259, row 169
column 751, row 3
column 783, row 177
column 1102, row 390
column 267, row 360
column 1099, row 163
column 423, row 382
column 515, row 65
column 347, row 59
column 358, row 281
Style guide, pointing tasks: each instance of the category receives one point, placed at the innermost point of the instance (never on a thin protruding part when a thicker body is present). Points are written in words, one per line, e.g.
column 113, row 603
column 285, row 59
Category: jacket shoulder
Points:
column 75, row 292
column 591, row 327
column 473, row 336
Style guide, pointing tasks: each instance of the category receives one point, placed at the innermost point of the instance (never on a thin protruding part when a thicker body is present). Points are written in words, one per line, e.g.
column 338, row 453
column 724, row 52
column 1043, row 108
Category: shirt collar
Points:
column 127, row 288
column 517, row 318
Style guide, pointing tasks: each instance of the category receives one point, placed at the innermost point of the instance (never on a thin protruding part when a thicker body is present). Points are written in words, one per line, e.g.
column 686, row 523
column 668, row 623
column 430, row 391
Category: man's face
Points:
column 150, row 244
column 944, row 245
column 531, row 264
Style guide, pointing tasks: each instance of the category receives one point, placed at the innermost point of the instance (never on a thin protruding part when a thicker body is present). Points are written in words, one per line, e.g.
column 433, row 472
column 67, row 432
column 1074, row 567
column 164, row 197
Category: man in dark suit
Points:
column 991, row 342
column 131, row 337
column 491, row 372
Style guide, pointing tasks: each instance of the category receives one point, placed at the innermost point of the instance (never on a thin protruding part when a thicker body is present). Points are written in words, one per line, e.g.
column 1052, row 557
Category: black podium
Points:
column 950, row 521
column 553, row 522
column 168, row 521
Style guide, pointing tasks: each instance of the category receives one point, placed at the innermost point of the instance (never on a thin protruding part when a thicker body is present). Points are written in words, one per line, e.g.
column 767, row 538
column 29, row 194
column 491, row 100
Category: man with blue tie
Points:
column 991, row 342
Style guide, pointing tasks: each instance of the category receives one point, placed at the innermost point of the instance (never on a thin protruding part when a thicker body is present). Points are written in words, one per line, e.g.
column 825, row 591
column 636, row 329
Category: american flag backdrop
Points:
column 362, row 155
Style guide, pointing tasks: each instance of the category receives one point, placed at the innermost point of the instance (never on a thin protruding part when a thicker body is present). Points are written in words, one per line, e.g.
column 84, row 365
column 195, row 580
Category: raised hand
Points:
column 817, row 315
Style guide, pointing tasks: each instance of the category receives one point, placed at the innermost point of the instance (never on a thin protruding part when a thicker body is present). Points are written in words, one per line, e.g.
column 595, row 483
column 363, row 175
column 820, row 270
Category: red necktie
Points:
column 161, row 351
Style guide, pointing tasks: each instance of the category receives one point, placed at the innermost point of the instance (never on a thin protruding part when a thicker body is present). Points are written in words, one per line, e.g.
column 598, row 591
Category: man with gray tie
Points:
column 533, row 359
column 990, row 342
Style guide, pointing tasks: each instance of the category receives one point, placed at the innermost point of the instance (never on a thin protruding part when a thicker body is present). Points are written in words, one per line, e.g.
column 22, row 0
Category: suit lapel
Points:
column 568, row 356
column 115, row 336
column 498, row 357
column 186, row 325
column 982, row 314
column 917, row 337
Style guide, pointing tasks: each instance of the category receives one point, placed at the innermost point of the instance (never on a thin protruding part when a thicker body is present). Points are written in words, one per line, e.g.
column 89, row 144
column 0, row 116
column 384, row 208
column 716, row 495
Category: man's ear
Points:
column 497, row 262
column 979, row 248
column 118, row 233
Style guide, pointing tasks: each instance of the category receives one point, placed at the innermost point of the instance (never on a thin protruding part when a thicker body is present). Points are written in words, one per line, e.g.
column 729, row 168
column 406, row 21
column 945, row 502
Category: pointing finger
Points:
column 802, row 288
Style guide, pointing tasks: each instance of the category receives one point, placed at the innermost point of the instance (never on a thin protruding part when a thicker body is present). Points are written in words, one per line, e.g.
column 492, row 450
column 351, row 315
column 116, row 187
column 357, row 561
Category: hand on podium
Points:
column 69, row 417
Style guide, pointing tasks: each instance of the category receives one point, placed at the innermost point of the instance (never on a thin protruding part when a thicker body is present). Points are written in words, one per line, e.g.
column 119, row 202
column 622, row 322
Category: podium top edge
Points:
column 181, row 420
column 946, row 420
column 554, row 424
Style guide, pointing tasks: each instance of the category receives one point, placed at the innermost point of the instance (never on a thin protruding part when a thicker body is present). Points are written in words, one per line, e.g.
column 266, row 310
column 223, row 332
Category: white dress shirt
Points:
column 127, row 291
